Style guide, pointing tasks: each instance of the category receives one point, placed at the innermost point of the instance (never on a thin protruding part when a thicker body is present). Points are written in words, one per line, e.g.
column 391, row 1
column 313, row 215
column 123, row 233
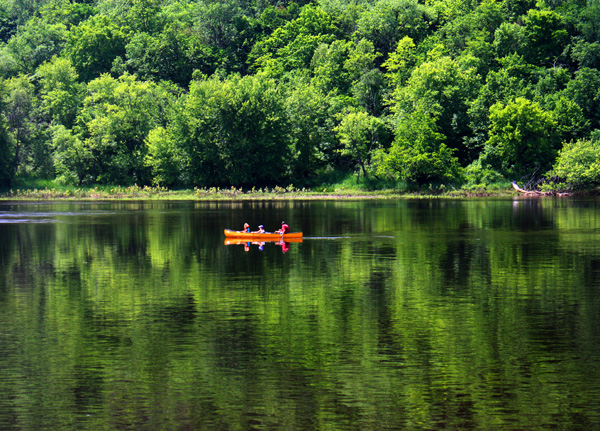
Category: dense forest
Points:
column 245, row 93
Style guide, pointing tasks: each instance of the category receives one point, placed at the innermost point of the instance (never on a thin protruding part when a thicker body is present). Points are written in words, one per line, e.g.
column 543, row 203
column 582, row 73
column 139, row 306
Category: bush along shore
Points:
column 210, row 193
column 136, row 192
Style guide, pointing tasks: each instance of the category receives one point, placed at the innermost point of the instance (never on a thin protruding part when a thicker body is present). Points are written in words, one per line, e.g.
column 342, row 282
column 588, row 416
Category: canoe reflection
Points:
column 285, row 245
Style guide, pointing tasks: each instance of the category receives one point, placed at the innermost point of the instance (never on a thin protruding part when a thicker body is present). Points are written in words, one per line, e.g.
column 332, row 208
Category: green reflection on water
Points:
column 465, row 314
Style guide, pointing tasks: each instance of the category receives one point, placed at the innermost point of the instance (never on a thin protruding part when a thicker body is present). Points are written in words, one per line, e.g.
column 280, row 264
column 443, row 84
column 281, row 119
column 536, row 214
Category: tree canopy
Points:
column 253, row 93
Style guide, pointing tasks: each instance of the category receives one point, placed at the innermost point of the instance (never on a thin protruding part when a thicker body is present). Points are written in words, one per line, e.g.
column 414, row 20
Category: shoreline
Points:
column 137, row 193
column 149, row 193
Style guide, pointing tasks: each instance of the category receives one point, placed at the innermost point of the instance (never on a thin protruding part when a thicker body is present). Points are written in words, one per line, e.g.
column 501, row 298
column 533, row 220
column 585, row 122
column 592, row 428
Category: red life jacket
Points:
column 285, row 228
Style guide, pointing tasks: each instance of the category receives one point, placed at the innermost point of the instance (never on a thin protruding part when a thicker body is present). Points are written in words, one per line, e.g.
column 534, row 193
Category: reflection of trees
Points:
column 450, row 313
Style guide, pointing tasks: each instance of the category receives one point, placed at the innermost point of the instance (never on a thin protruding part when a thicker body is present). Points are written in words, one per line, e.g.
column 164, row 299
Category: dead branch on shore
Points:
column 537, row 193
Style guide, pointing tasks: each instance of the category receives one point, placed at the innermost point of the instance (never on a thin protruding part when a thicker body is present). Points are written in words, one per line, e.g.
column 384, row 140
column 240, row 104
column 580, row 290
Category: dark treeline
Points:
column 259, row 92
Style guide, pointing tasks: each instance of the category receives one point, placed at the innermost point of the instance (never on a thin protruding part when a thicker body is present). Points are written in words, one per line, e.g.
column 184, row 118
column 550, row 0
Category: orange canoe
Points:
column 262, row 236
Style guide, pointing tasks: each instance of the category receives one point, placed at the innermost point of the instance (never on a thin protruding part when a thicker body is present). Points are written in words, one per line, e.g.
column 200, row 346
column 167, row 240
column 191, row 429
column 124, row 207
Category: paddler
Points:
column 261, row 229
column 246, row 228
column 284, row 228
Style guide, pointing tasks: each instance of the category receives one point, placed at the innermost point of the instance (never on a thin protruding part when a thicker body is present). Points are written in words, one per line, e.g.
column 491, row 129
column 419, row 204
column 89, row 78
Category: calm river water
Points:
column 391, row 314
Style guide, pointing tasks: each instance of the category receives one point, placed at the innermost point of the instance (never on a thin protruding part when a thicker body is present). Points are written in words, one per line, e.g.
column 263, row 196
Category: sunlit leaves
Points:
column 36, row 42
column 418, row 154
column 234, row 131
column 327, row 64
column 522, row 137
column 444, row 89
column 164, row 157
column 312, row 115
column 94, row 44
column 61, row 93
column 388, row 21
column 292, row 46
column 546, row 36
column 578, row 163
column 114, row 123
column 400, row 62
column 359, row 134
column 72, row 159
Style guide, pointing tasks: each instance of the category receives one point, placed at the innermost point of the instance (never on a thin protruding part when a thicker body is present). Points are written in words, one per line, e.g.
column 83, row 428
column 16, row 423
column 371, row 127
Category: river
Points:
column 470, row 314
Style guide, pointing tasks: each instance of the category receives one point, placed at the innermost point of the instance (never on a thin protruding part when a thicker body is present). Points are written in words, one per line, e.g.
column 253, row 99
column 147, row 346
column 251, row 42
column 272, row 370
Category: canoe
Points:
column 237, row 241
column 261, row 236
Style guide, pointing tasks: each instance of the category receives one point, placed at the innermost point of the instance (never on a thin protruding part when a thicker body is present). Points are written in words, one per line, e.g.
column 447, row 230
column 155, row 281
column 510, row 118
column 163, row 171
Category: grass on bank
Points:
column 331, row 186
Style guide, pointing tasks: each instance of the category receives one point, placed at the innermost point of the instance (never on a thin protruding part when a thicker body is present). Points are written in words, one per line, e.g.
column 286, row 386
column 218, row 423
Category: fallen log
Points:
column 527, row 192
column 536, row 193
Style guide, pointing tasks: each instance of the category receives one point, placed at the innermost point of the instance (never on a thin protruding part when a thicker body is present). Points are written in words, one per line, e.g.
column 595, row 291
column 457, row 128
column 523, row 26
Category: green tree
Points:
column 144, row 16
column 359, row 133
column 400, row 63
column 584, row 90
column 385, row 22
column 546, row 36
column 72, row 159
column 8, row 26
column 447, row 89
column 367, row 80
column 228, row 30
column 234, row 132
column 509, row 39
column 368, row 91
column 20, row 100
column 522, row 137
column 216, row 25
column 35, row 42
column 588, row 21
column 292, row 46
column 327, row 64
column 60, row 91
column 6, row 174
column 418, row 154
column 471, row 32
column 6, row 147
column 514, row 79
column 174, row 54
column 93, row 45
column 578, row 163
column 571, row 124
column 114, row 124
column 312, row 116
column 586, row 54
column 164, row 158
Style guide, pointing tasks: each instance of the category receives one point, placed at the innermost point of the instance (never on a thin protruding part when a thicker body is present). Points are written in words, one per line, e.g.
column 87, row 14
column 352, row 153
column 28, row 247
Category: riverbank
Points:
column 275, row 193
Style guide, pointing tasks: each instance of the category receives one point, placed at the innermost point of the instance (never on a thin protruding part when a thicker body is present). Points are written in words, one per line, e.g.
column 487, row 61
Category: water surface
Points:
column 392, row 314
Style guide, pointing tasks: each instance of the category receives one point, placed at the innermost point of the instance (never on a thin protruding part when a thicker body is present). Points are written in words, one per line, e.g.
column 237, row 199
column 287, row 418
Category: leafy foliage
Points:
column 418, row 155
column 522, row 137
column 114, row 123
column 359, row 135
column 578, row 163
column 234, row 131
column 93, row 45
column 164, row 157
column 190, row 93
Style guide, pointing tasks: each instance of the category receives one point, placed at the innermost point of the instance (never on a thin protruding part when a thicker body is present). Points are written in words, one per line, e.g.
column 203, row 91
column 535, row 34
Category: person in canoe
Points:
column 284, row 228
column 246, row 228
column 261, row 229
